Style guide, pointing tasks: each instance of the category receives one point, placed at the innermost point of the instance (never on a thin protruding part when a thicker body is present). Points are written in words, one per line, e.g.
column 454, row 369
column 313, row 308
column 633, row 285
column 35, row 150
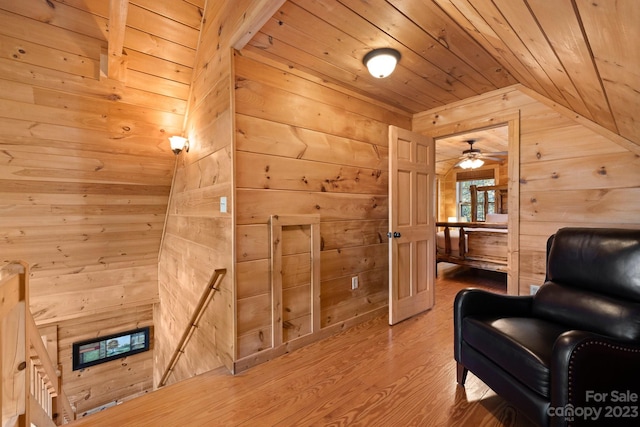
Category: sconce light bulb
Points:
column 179, row 143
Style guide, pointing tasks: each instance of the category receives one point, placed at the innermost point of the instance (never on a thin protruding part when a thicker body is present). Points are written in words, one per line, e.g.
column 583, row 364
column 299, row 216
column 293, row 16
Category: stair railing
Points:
column 31, row 392
column 205, row 298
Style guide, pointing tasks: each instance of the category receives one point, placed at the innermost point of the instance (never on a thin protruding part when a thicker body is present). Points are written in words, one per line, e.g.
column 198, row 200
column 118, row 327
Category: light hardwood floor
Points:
column 369, row 375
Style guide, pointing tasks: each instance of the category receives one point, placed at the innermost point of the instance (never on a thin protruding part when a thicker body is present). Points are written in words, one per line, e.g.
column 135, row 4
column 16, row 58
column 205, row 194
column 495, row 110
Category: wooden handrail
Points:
column 205, row 298
column 37, row 397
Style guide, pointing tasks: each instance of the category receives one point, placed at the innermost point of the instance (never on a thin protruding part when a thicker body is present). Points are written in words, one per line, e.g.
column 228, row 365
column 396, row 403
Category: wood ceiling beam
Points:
column 253, row 20
column 117, row 25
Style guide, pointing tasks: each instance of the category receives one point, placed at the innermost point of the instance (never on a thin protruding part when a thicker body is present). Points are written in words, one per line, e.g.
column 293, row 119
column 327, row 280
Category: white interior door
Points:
column 411, row 224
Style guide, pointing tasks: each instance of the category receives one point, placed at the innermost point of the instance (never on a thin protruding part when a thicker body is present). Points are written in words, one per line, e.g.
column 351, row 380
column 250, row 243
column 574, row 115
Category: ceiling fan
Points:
column 473, row 157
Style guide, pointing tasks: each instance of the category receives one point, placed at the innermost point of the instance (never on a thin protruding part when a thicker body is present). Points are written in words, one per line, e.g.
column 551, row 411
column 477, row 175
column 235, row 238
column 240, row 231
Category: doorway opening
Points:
column 498, row 145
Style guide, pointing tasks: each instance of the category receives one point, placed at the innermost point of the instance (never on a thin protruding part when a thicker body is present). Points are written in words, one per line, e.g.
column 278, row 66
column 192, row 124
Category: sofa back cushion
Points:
column 602, row 260
column 588, row 311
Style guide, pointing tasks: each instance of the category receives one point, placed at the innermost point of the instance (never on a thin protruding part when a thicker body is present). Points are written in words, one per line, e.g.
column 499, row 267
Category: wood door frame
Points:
column 512, row 120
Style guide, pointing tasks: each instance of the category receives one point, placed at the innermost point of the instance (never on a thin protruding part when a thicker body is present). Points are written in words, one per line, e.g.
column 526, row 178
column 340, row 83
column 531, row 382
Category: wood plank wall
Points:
column 305, row 148
column 572, row 172
column 199, row 237
column 85, row 167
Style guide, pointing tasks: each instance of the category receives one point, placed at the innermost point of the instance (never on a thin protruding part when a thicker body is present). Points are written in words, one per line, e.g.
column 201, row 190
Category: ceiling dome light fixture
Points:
column 381, row 62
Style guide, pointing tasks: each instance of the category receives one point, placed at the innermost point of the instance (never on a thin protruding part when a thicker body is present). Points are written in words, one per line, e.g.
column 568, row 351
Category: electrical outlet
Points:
column 533, row 289
column 354, row 282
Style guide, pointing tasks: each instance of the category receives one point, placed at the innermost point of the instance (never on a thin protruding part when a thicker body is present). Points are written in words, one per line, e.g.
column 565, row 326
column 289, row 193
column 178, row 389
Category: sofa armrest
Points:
column 478, row 302
column 598, row 373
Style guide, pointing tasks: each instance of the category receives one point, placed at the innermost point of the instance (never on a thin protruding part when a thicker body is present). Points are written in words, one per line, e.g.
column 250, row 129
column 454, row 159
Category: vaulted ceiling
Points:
column 581, row 54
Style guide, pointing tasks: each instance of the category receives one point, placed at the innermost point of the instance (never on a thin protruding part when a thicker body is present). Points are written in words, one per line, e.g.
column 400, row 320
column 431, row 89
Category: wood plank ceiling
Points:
column 580, row 54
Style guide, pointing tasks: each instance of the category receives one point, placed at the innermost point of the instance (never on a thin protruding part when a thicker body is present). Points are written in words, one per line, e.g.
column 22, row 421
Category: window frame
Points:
column 485, row 173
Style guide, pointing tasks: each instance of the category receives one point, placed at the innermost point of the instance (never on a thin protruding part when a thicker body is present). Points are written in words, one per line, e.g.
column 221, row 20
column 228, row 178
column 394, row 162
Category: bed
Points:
column 477, row 244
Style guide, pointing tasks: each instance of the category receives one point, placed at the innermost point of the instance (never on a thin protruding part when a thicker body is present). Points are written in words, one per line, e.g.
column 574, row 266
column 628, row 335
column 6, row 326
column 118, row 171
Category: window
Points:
column 464, row 198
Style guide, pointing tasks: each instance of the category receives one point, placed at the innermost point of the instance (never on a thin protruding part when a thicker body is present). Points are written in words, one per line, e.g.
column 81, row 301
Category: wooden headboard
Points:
column 500, row 199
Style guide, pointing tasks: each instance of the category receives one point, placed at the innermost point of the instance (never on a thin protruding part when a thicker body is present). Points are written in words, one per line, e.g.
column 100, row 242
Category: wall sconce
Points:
column 381, row 62
column 179, row 143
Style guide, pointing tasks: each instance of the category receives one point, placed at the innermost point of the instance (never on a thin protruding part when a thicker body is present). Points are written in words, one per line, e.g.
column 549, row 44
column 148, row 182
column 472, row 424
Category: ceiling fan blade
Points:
column 497, row 159
column 498, row 153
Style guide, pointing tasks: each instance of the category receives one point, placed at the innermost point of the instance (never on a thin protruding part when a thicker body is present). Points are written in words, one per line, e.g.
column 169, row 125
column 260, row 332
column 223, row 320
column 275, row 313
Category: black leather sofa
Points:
column 570, row 354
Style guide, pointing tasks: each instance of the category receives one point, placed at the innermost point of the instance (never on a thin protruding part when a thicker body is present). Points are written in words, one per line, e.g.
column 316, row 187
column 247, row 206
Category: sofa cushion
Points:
column 520, row 346
column 601, row 260
column 588, row 311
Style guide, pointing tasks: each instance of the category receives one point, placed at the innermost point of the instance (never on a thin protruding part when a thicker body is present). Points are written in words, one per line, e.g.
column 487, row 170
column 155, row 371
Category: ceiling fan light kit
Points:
column 381, row 62
column 473, row 157
column 471, row 163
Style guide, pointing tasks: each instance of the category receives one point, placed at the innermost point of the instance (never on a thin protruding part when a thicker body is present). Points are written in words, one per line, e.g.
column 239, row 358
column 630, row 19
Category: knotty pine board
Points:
column 338, row 290
column 204, row 172
column 204, row 202
column 187, row 12
column 254, row 206
column 47, row 35
column 548, row 143
column 343, row 234
column 170, row 88
column 604, row 171
column 273, row 172
column 257, row 135
column 36, row 54
column 293, row 109
column 252, row 278
column 108, row 89
column 296, row 304
column 296, row 269
column 158, row 47
column 348, row 261
column 170, row 123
